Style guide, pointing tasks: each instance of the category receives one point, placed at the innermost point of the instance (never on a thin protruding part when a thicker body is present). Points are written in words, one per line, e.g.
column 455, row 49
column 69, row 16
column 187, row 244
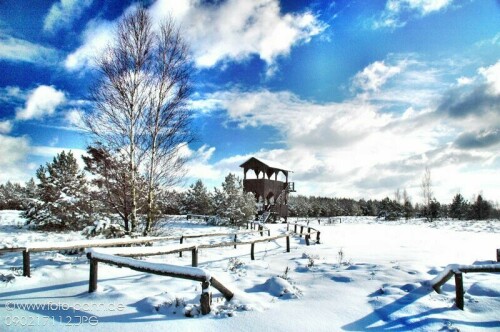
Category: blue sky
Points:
column 356, row 97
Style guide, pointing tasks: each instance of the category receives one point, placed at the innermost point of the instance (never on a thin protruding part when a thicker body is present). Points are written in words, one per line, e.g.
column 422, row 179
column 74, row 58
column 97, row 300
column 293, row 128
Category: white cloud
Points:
column 398, row 12
column 424, row 7
column 461, row 81
column 42, row 101
column 232, row 30
column 375, row 75
column 74, row 117
column 97, row 35
column 357, row 148
column 198, row 165
column 15, row 49
column 237, row 29
column 325, row 135
column 16, row 152
column 11, row 94
column 5, row 127
column 492, row 76
column 50, row 151
column 13, row 151
column 62, row 14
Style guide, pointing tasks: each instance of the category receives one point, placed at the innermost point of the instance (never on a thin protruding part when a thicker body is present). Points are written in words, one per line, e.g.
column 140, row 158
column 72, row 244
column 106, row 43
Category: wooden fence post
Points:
column 26, row 264
column 288, row 244
column 93, row 275
column 459, row 291
column 235, row 238
column 182, row 240
column 206, row 298
column 194, row 257
column 498, row 255
column 295, row 228
column 252, row 248
column 301, row 230
column 307, row 239
column 317, row 237
column 261, row 230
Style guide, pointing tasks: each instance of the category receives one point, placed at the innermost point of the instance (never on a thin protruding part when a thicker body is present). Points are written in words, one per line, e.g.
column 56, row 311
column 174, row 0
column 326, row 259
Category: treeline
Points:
column 391, row 209
column 96, row 198
column 197, row 200
column 66, row 197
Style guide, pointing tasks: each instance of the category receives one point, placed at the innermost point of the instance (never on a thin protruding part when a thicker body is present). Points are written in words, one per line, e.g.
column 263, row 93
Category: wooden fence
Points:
column 42, row 247
column 102, row 243
column 457, row 271
column 310, row 231
column 183, row 272
column 257, row 225
column 234, row 235
column 330, row 221
column 198, row 216
column 194, row 248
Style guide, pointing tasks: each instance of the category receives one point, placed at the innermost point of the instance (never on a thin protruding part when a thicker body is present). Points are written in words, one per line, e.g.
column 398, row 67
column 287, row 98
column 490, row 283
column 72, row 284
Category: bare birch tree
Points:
column 426, row 188
column 168, row 119
column 140, row 103
column 397, row 196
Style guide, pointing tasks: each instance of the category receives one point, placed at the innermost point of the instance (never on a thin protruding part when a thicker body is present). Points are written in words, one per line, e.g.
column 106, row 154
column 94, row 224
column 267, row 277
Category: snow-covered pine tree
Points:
column 11, row 196
column 232, row 203
column 62, row 200
column 29, row 193
column 111, row 184
column 197, row 200
column 170, row 202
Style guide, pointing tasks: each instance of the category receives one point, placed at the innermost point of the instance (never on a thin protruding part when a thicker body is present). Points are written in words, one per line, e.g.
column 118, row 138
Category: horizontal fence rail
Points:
column 307, row 236
column 194, row 248
column 103, row 243
column 457, row 271
column 198, row 216
column 259, row 226
column 175, row 271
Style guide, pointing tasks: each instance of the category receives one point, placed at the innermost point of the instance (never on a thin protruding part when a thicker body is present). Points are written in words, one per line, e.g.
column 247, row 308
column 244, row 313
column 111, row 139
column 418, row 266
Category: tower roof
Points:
column 262, row 165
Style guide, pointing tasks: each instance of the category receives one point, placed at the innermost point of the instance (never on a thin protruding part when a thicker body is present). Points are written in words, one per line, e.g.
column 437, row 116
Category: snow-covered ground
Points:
column 365, row 275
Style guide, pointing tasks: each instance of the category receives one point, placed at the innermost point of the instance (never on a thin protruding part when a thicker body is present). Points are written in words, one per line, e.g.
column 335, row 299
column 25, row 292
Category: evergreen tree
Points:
column 111, row 180
column 408, row 210
column 62, row 198
column 170, row 202
column 481, row 209
column 458, row 208
column 231, row 203
column 407, row 207
column 434, row 209
column 11, row 196
column 197, row 200
column 29, row 194
column 299, row 206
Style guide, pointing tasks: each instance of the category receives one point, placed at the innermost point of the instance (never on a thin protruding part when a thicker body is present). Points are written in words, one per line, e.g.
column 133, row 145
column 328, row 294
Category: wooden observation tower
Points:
column 270, row 187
